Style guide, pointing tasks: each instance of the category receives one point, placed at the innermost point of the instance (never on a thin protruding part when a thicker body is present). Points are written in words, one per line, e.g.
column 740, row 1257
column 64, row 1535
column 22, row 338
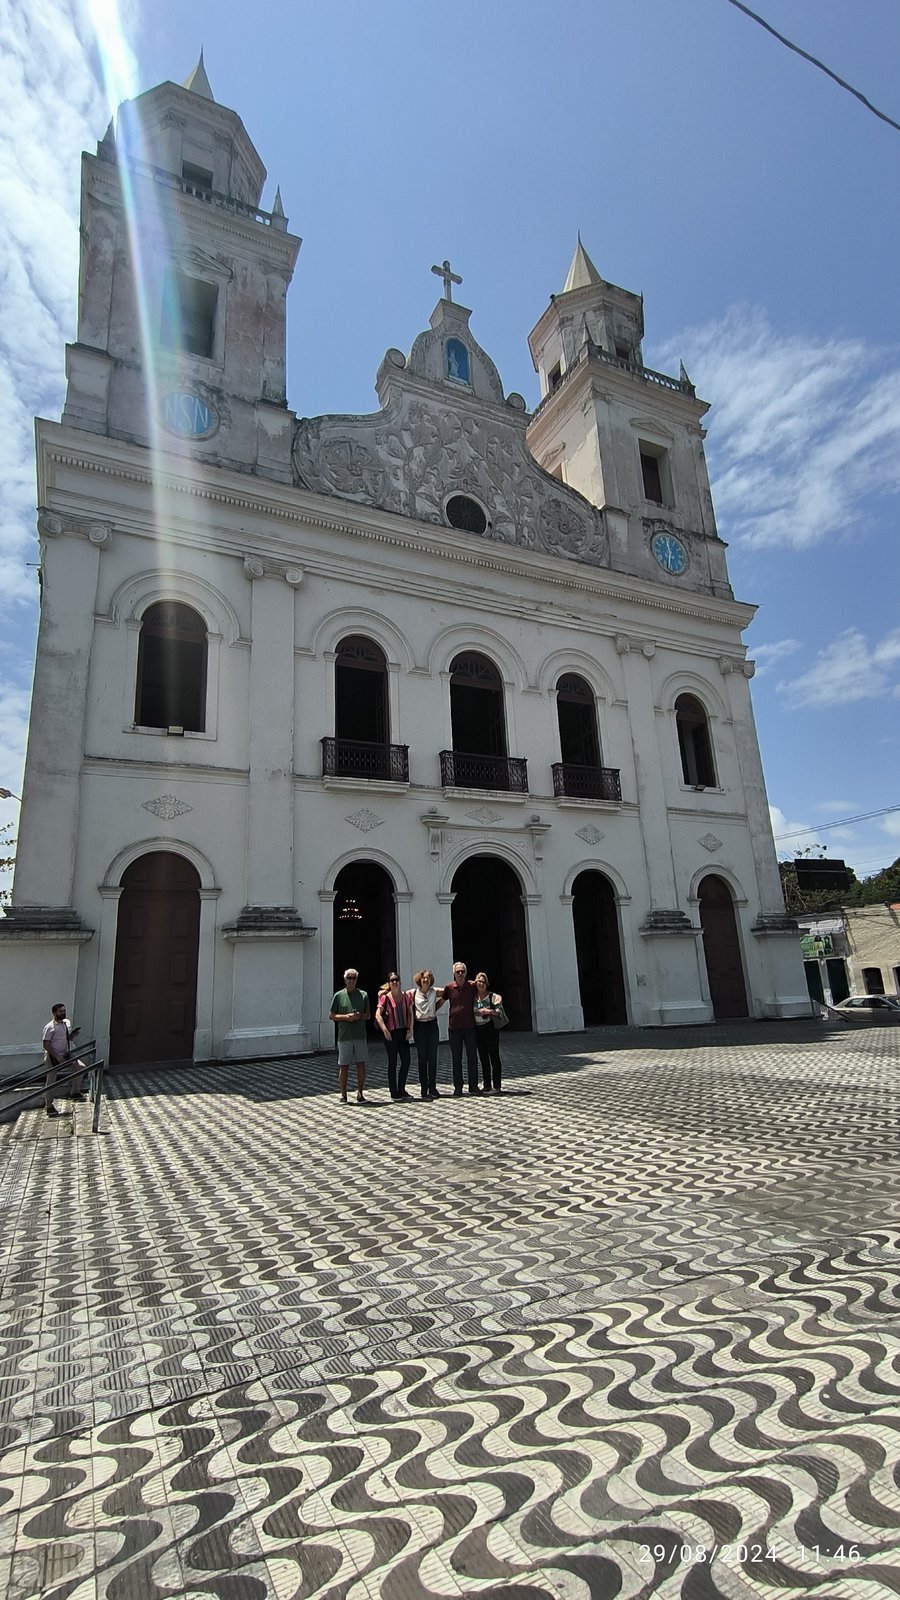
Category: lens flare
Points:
column 154, row 247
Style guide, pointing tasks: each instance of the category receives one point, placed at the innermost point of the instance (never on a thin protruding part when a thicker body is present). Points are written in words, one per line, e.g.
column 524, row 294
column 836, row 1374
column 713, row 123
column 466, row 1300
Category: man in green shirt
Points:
column 350, row 1010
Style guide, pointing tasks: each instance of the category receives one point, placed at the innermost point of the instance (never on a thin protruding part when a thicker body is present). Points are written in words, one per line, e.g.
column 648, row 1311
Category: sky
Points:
column 751, row 200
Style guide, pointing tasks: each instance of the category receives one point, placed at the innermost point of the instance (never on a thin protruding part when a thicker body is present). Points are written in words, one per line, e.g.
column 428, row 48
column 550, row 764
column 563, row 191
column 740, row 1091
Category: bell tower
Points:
column 183, row 281
column 628, row 438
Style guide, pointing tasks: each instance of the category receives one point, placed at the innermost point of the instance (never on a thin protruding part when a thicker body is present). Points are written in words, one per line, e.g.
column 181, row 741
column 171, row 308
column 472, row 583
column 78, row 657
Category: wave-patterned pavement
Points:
column 630, row 1329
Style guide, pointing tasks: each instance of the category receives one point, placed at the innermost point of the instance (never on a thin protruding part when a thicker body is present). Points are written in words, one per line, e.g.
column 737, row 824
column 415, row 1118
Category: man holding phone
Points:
column 57, row 1041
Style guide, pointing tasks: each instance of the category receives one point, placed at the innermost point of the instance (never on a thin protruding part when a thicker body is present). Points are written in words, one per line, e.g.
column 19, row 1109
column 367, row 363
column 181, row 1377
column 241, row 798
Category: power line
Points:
column 842, row 822
column 843, row 84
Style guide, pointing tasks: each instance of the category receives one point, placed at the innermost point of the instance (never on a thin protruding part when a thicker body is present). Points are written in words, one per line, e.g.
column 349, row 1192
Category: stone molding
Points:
column 666, row 922
column 729, row 664
column 61, row 924
column 776, row 922
column 264, row 567
column 626, row 644
column 268, row 922
column 51, row 525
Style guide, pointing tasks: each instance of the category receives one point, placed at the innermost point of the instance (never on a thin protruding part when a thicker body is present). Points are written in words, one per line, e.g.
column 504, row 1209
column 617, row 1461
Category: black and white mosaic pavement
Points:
column 631, row 1328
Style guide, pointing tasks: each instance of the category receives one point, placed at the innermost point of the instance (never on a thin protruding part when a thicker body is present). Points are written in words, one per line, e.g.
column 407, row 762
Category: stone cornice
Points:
column 301, row 509
column 254, row 236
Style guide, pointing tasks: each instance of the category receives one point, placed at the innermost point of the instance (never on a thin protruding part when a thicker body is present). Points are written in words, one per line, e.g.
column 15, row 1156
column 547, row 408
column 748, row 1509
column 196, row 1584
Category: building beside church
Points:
column 450, row 679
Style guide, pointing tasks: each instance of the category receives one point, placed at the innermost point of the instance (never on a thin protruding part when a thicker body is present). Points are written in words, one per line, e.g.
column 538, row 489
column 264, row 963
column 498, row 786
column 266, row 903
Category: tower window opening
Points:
column 171, row 675
column 554, row 378
column 465, row 514
column 197, row 180
column 188, row 315
column 694, row 743
column 652, row 475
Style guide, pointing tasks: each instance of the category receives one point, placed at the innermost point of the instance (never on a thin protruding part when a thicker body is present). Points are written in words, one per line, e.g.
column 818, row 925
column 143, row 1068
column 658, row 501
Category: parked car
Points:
column 880, row 1008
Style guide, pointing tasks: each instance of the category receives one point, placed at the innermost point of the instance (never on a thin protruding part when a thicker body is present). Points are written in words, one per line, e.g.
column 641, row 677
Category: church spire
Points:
column 582, row 271
column 198, row 82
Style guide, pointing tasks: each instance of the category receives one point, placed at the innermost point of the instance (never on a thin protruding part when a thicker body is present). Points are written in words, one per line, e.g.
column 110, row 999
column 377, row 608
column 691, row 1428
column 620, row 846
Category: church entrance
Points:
column 489, row 934
column 154, row 996
column 365, row 926
column 601, row 978
column 722, row 949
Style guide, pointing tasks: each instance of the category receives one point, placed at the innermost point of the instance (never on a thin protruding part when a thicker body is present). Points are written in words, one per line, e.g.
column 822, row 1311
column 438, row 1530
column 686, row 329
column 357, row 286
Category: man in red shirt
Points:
column 460, row 997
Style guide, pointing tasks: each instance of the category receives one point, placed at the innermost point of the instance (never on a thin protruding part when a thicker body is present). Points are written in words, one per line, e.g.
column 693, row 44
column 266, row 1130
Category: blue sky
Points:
column 752, row 201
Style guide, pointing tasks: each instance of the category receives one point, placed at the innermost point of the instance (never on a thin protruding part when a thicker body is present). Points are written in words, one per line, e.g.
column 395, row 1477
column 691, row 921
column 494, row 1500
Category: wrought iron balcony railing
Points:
column 460, row 770
column 353, row 758
column 586, row 783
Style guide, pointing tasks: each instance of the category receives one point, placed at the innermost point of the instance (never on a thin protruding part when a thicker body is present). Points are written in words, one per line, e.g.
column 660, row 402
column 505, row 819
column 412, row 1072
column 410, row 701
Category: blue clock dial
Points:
column 187, row 414
column 669, row 552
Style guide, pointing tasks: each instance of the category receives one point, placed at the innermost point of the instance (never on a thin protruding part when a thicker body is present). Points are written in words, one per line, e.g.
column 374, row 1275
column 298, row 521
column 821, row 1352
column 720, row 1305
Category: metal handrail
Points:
column 29, row 1087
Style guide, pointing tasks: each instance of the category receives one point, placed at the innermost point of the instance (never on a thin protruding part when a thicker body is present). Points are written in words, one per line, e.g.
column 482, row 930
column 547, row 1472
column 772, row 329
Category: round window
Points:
column 465, row 514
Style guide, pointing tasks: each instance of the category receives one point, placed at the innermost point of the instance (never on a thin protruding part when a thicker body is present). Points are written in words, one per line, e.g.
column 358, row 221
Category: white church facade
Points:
column 447, row 680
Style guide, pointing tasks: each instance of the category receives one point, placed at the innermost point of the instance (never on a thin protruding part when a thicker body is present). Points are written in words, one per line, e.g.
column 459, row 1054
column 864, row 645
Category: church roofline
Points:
column 62, row 446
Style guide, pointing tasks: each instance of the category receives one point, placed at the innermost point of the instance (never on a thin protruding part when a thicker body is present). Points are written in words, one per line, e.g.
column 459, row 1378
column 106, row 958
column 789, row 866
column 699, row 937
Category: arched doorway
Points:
column 722, row 949
column 365, row 925
column 154, row 995
column 601, row 978
column 489, row 933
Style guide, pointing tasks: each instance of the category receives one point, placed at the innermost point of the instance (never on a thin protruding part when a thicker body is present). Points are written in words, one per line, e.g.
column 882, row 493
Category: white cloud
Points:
column 766, row 655
column 52, row 107
column 791, row 837
column 848, row 669
column 891, row 825
column 839, row 808
column 803, row 427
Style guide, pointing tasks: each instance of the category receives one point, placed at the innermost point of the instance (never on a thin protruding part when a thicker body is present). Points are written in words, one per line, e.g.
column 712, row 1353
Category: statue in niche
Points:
column 456, row 361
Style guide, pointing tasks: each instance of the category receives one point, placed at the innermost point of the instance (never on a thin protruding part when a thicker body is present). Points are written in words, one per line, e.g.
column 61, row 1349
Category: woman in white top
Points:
column 487, row 1039
column 426, row 1004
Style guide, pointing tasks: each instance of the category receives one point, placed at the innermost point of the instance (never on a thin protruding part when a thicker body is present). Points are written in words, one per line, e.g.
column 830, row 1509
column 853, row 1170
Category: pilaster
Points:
column 70, row 557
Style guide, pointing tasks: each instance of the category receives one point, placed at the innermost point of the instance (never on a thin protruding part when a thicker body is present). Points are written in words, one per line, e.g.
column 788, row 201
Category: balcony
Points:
column 352, row 758
column 501, row 773
column 585, row 783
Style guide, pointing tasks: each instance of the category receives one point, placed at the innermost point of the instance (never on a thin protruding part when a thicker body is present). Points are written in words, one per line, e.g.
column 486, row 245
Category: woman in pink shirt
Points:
column 394, row 1016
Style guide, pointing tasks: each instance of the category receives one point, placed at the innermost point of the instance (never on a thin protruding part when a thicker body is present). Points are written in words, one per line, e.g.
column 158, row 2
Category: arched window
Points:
column 694, row 743
column 476, row 706
column 360, row 692
column 171, row 676
column 576, row 713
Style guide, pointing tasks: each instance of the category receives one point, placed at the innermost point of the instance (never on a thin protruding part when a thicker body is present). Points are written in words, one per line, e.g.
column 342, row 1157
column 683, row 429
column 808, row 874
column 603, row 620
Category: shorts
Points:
column 351, row 1050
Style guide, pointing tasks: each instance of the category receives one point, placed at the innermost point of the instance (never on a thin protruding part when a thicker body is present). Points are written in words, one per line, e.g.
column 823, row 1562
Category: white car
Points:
column 880, row 1008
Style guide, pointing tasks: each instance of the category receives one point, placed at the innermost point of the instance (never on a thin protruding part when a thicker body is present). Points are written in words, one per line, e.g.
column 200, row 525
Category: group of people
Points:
column 409, row 1016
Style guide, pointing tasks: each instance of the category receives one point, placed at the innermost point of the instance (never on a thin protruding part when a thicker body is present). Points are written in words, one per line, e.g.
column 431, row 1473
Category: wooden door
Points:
column 154, row 1000
column 722, row 950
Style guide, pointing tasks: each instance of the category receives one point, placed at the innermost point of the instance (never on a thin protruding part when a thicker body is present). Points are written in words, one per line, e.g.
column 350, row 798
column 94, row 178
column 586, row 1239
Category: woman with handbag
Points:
column 394, row 1017
column 490, row 1017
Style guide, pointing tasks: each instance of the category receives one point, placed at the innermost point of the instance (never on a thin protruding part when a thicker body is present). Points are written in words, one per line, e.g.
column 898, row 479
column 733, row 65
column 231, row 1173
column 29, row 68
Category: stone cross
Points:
column 443, row 271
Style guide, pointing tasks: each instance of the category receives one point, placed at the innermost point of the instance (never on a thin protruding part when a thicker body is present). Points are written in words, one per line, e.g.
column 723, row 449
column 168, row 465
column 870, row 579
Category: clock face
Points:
column 669, row 552
column 187, row 414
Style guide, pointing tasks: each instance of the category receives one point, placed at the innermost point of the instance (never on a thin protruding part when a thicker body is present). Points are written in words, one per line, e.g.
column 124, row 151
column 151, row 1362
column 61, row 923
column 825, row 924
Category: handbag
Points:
column 500, row 1017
